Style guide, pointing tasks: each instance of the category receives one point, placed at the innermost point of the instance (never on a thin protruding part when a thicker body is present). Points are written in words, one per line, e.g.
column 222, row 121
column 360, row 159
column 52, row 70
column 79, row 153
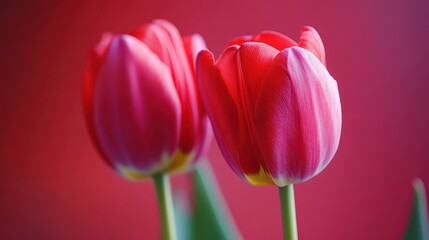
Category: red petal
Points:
column 227, row 65
column 240, row 40
column 256, row 59
column 240, row 89
column 93, row 64
column 165, row 41
column 310, row 40
column 275, row 40
column 272, row 38
column 298, row 117
column 137, row 110
column 204, row 137
column 193, row 45
column 156, row 39
column 220, row 106
column 253, row 62
column 182, row 73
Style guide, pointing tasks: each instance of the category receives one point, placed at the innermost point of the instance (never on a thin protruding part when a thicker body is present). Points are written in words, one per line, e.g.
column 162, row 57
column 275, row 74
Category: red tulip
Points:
column 274, row 107
column 140, row 100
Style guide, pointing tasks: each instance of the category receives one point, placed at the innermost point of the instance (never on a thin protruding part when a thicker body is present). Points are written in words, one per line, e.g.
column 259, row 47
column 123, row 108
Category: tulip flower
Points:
column 142, row 107
column 274, row 108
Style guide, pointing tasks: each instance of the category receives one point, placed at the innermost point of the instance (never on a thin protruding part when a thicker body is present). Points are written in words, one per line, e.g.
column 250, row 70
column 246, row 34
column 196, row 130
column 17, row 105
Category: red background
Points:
column 54, row 186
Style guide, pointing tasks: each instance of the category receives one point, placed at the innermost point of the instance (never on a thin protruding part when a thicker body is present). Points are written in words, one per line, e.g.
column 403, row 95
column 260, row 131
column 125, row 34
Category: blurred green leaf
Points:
column 211, row 219
column 182, row 216
column 418, row 222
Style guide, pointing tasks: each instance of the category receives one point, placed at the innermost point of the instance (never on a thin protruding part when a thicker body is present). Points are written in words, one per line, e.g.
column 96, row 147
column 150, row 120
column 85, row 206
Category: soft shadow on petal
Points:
column 205, row 136
column 193, row 45
column 310, row 40
column 220, row 106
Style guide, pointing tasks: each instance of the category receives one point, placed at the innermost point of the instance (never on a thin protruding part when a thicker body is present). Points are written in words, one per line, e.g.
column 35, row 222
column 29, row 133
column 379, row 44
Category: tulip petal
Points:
column 240, row 40
column 163, row 44
column 179, row 61
column 204, row 136
column 255, row 60
column 272, row 38
column 193, row 45
column 310, row 40
column 156, row 39
column 94, row 62
column 137, row 112
column 298, row 117
column 231, row 71
column 187, row 91
column 257, row 57
column 165, row 41
column 275, row 40
column 227, row 65
column 220, row 108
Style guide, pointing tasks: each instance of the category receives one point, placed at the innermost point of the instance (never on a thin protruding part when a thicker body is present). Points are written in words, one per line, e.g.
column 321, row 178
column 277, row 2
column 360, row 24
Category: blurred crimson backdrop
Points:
column 55, row 186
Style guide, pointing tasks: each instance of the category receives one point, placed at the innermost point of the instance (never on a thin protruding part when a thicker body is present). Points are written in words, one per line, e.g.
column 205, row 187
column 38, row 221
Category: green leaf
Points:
column 418, row 222
column 182, row 216
column 211, row 218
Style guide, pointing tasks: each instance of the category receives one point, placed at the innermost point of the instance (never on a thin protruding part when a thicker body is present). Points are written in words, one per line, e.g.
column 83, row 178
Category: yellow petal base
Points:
column 177, row 162
column 260, row 179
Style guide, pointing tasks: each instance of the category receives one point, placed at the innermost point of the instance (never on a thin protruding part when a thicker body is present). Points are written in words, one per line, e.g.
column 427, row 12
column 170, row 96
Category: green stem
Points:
column 165, row 202
column 287, row 202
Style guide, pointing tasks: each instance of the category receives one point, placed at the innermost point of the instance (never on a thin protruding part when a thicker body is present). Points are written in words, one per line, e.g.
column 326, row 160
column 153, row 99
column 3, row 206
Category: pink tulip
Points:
column 140, row 100
column 274, row 107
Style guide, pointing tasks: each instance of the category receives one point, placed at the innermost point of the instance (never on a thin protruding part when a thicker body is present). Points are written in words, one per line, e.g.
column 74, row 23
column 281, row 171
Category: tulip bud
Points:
column 140, row 101
column 274, row 107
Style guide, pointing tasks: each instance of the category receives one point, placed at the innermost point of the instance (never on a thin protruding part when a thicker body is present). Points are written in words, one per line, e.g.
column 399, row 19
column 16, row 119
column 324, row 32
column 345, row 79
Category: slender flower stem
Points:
column 165, row 202
column 287, row 202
